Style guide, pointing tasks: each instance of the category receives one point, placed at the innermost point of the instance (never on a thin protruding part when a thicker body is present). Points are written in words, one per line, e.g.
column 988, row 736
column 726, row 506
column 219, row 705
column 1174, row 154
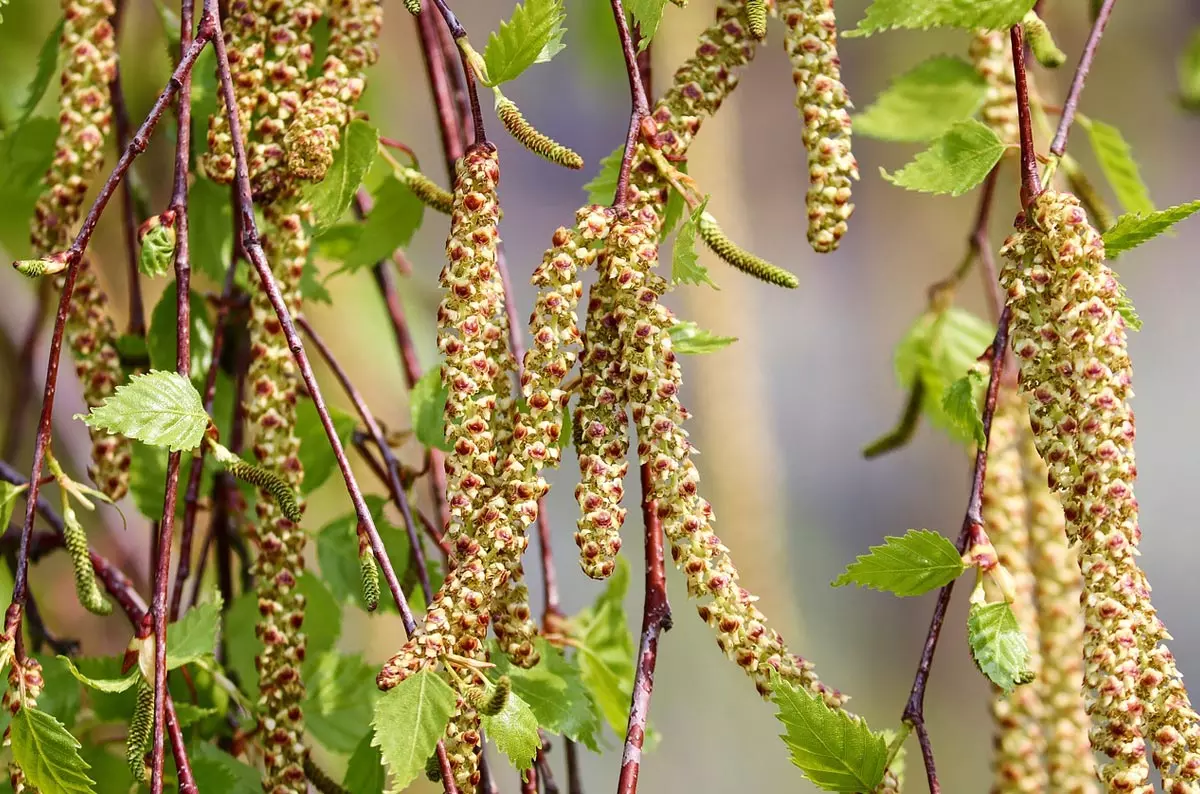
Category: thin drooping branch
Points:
column 641, row 106
column 71, row 259
column 1059, row 145
column 137, row 311
column 441, row 87
column 160, row 606
column 656, row 617
column 457, row 31
column 395, row 487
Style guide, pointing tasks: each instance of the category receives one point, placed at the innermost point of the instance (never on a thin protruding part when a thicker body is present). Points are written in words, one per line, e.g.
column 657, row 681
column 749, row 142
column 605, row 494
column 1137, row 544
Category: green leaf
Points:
column 322, row 618
column 337, row 553
column 606, row 650
column 48, row 754
column 108, row 706
column 685, row 263
column 940, row 349
column 647, row 14
column 835, row 750
column 25, row 154
column 688, row 338
column 921, row 14
column 47, row 65
column 8, row 500
column 1126, row 310
column 148, row 479
column 316, row 454
column 111, row 770
column 61, row 695
column 533, row 35
column 241, row 644
column 427, row 405
column 555, row 691
column 409, row 720
column 515, row 731
column 110, row 685
column 187, row 714
column 998, row 645
column 160, row 341
column 954, row 163
column 961, row 402
column 194, row 635
column 924, row 102
column 1120, row 169
column 920, row 561
column 396, row 216
column 159, row 408
column 210, row 228
column 676, row 205
column 1189, row 72
column 603, row 186
column 218, row 771
column 365, row 773
column 351, row 161
column 1133, row 228
column 340, row 701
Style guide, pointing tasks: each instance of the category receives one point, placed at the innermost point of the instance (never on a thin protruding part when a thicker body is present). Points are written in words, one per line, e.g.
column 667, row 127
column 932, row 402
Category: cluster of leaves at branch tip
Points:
column 157, row 238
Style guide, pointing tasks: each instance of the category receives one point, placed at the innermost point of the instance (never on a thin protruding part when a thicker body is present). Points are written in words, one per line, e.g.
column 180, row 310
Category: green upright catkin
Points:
column 429, row 192
column 25, row 685
column 491, row 703
column 89, row 63
column 528, row 136
column 137, row 742
column 269, row 482
column 736, row 256
column 756, row 18
column 75, row 542
column 369, row 570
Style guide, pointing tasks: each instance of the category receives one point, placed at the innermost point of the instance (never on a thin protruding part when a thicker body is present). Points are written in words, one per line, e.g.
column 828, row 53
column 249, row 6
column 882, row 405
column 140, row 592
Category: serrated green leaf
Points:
column 555, row 691
column 998, row 645
column 108, row 768
column 340, row 701
column 685, row 263
column 391, row 224
column 158, row 408
column 194, row 635
column 8, row 500
column 884, row 15
column 687, row 338
column 960, row 401
column 25, row 154
column 955, row 162
column 1189, row 72
column 603, row 186
column 1120, row 169
column 1132, row 229
column 676, row 206
column 920, row 561
column 61, row 693
column 316, row 454
column 216, row 770
column 187, row 714
column 409, row 720
column 514, row 731
column 427, row 405
column 48, row 754
column 365, row 773
column 647, row 14
column 109, row 685
column 210, row 227
column 834, row 749
column 108, row 706
column 160, row 340
column 940, row 349
column 331, row 196
column 924, row 102
column 47, row 65
column 337, row 553
column 1126, row 310
column 533, row 35
column 606, row 650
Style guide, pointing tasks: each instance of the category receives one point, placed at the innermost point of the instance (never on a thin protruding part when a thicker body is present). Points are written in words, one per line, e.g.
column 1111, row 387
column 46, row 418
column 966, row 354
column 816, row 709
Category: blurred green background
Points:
column 781, row 415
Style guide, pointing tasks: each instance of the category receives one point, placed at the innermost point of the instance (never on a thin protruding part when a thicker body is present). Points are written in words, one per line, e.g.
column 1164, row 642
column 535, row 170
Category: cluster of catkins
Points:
column 292, row 125
column 991, row 55
column 1069, row 338
column 89, row 63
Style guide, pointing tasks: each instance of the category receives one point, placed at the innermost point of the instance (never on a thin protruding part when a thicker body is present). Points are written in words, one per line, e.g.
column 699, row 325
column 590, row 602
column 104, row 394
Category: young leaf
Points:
column 316, row 455
column 217, row 770
column 1132, row 229
column 555, row 691
column 48, row 754
column 322, row 619
column 920, row 561
column 687, row 338
column 603, row 185
column 1126, row 310
column 160, row 341
column 647, row 14
column 47, row 65
column 606, row 650
column 110, row 685
column 396, row 216
column 835, row 750
column 676, row 206
column 427, row 404
column 210, row 227
column 409, row 720
column 515, row 731
column 351, row 161
column 8, row 500
column 1120, row 169
column 989, row 14
column 365, row 773
column 194, row 635
column 924, row 102
column 158, row 408
column 1189, row 73
column 954, row 163
column 685, row 263
column 533, row 35
column 341, row 697
column 998, row 645
column 960, row 401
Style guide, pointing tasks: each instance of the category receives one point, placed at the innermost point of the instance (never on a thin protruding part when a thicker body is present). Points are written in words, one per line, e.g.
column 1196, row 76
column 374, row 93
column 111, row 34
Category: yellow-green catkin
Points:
column 1069, row 337
column 756, row 18
column 89, row 62
column 1058, row 586
column 137, row 742
column 1018, row 765
column 25, row 685
column 824, row 105
column 429, row 192
column 86, row 588
column 736, row 256
column 528, row 136
column 991, row 55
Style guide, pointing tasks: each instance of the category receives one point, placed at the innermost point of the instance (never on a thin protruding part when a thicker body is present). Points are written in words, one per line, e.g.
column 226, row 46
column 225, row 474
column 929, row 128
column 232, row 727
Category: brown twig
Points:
column 457, row 31
column 1059, row 145
column 637, row 94
column 1030, row 182
column 441, row 86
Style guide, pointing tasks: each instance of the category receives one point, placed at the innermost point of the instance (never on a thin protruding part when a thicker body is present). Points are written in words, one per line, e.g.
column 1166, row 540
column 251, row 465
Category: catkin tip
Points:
column 715, row 238
column 756, row 18
column 138, row 739
column 490, row 704
column 528, row 136
column 270, row 482
column 413, row 6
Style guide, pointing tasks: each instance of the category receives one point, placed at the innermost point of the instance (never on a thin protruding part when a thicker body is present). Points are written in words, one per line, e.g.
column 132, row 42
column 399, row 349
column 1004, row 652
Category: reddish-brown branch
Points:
column 457, row 31
column 441, row 86
column 137, row 311
column 1059, row 145
column 656, row 617
column 914, row 709
column 1030, row 183
column 641, row 106
column 395, row 487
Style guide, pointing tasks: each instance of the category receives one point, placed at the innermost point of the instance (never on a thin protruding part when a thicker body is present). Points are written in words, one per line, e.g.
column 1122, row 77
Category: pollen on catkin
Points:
column 736, row 256
column 811, row 43
column 1069, row 337
column 991, row 55
column 137, row 742
column 528, row 136
column 430, row 193
column 25, row 685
